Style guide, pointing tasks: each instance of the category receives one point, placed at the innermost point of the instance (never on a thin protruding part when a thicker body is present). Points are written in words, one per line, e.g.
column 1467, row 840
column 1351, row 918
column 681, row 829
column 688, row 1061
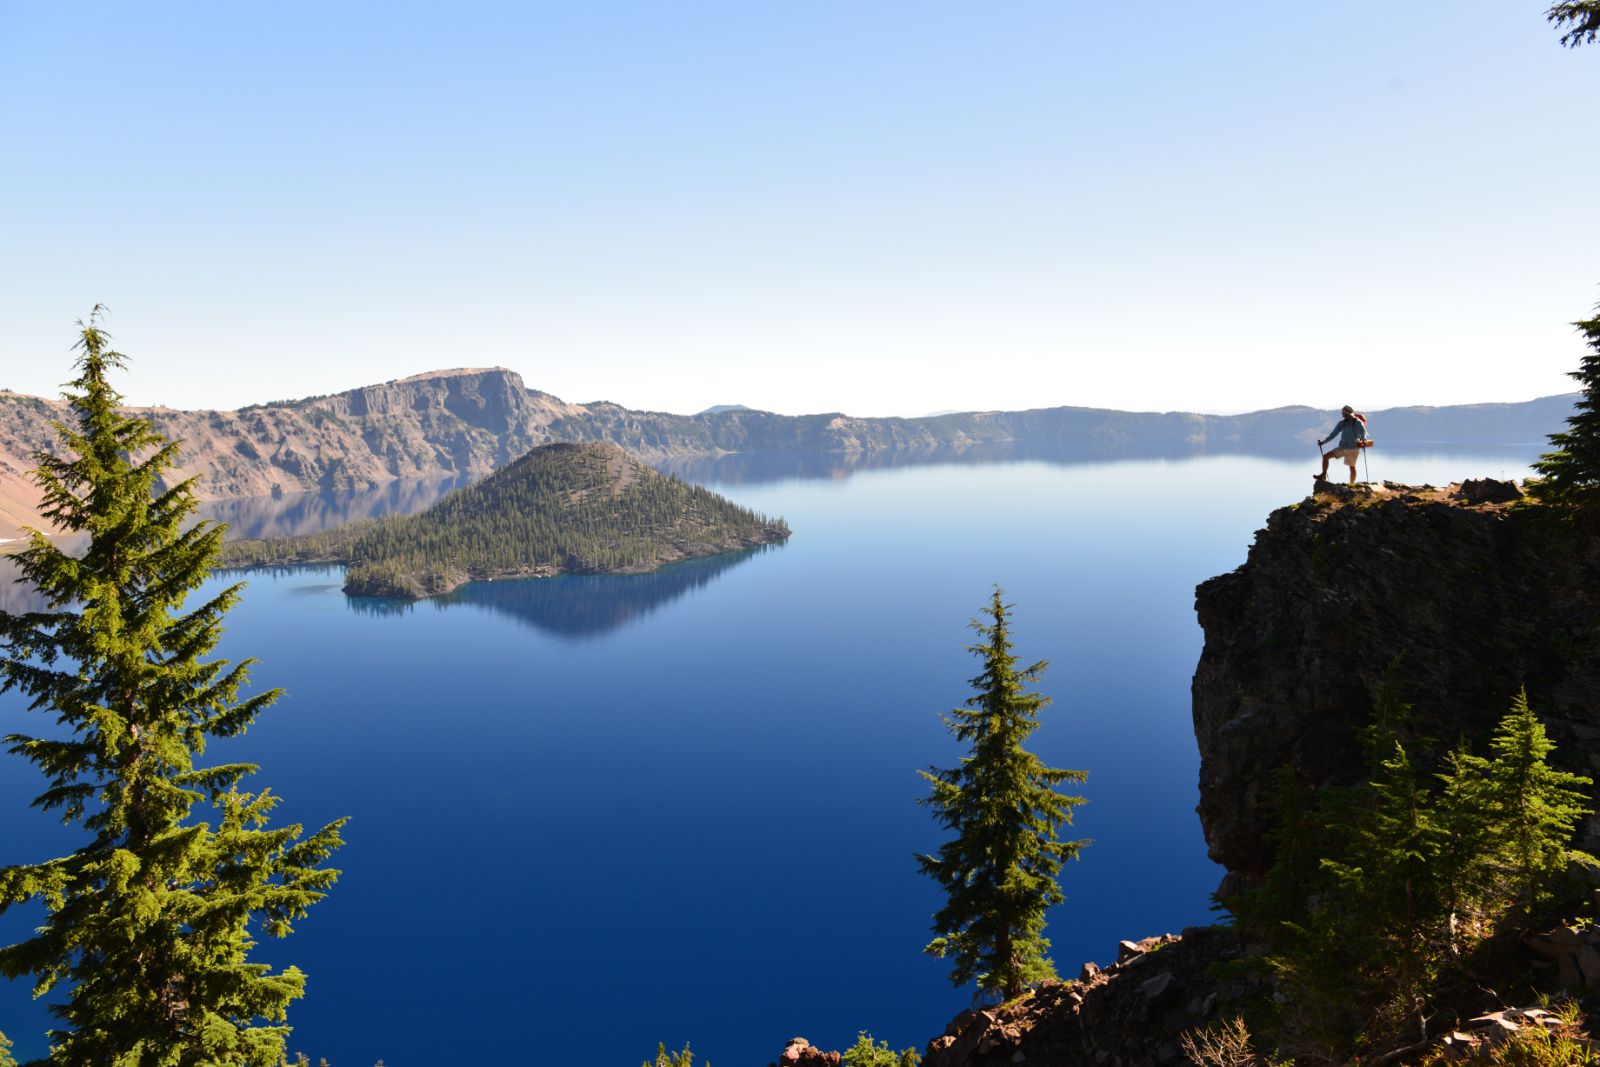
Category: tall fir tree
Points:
column 1466, row 870
column 1570, row 475
column 1396, row 840
column 999, row 872
column 149, row 924
column 1579, row 21
column 1536, row 807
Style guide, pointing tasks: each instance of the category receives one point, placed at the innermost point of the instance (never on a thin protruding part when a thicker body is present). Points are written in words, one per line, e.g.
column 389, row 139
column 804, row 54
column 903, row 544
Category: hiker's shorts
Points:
column 1349, row 455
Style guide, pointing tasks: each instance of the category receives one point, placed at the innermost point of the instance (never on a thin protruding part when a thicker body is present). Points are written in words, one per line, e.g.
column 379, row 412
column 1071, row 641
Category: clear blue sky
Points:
column 881, row 208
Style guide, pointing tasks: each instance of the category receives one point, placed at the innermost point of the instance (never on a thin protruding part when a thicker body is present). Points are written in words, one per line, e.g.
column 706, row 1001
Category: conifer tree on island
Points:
column 1570, row 475
column 149, row 924
column 999, row 872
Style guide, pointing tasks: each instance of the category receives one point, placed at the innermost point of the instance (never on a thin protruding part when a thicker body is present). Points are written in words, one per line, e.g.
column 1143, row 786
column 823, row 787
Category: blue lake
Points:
column 591, row 814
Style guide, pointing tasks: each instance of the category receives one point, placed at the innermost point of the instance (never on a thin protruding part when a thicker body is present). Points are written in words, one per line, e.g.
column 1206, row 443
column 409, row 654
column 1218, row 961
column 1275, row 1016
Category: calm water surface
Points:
column 590, row 814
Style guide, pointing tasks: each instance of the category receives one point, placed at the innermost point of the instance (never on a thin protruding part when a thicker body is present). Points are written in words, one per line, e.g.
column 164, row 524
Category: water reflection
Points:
column 575, row 606
column 293, row 514
column 16, row 596
column 596, row 605
column 754, row 468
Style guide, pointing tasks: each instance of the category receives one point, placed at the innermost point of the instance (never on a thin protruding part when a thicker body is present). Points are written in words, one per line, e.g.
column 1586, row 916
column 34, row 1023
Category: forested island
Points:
column 561, row 509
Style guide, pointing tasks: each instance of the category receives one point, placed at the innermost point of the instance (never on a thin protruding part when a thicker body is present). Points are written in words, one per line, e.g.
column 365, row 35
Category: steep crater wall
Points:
column 1478, row 600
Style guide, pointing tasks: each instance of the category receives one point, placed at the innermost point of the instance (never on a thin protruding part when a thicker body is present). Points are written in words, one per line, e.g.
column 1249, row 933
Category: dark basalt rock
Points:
column 1489, row 491
column 1477, row 600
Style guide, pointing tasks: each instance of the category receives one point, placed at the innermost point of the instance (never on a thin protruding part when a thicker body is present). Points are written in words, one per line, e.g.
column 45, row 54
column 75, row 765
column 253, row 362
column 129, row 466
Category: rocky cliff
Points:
column 475, row 420
column 1476, row 597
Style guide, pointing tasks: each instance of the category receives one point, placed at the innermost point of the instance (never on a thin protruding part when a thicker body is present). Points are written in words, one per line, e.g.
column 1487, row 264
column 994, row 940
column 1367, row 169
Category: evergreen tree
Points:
column 1465, row 869
column 999, row 871
column 1570, row 475
column 671, row 1059
column 1390, row 889
column 864, row 1053
column 1352, row 899
column 1397, row 840
column 1536, row 807
column 1578, row 19
column 148, row 924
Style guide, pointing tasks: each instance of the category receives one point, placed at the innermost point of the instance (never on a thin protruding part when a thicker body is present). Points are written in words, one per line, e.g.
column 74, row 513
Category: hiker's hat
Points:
column 1348, row 410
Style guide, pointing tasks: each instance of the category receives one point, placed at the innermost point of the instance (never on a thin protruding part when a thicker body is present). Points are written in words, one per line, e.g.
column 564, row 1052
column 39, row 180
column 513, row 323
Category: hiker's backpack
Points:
column 1362, row 419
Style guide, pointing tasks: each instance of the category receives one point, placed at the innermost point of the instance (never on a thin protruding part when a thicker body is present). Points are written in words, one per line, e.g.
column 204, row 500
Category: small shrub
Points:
column 866, row 1054
column 1226, row 1044
column 1529, row 1047
column 672, row 1059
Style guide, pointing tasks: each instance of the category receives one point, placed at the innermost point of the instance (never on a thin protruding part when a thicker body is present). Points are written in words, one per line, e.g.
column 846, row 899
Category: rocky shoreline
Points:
column 420, row 585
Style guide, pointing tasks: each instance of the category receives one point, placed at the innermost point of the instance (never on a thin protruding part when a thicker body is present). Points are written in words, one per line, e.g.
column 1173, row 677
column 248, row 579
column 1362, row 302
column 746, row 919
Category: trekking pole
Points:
column 1365, row 466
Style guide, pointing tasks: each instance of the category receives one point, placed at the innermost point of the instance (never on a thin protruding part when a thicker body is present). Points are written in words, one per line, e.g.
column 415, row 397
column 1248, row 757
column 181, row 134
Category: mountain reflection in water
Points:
column 578, row 607
column 294, row 514
column 755, row 468
column 574, row 606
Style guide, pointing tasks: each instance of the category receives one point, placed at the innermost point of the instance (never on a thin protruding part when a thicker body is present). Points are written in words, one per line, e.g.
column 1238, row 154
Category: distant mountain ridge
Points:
column 472, row 421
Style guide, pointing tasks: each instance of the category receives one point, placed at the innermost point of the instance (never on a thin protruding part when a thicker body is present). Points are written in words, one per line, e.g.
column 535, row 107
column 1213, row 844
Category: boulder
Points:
column 801, row 1053
column 1120, row 1016
column 1488, row 491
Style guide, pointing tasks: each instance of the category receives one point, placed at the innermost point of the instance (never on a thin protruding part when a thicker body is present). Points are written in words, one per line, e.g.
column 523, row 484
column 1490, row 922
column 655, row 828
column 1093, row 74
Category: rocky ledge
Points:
column 1476, row 596
column 1133, row 1012
column 1139, row 1011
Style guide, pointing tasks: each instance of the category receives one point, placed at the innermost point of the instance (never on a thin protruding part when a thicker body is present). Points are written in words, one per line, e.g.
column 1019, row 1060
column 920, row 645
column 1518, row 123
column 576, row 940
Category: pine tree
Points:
column 1397, row 840
column 1466, row 817
column 1578, row 19
column 149, row 923
column 1354, row 893
column 671, row 1059
column 1536, row 807
column 1570, row 475
column 999, row 871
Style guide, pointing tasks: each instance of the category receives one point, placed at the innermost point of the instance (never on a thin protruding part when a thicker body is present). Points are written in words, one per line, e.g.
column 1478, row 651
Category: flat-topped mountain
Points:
column 471, row 421
column 562, row 508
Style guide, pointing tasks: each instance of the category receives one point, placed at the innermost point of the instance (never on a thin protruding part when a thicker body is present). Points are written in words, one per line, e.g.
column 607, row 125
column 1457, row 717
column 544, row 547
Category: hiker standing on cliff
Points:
column 1351, row 432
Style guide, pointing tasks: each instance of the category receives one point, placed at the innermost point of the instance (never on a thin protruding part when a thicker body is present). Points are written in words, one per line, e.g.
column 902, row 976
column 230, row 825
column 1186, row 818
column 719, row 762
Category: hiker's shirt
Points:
column 1351, row 433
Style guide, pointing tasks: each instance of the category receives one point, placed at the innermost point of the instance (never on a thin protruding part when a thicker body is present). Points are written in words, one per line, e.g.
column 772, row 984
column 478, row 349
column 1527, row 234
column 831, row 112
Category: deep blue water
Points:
column 590, row 814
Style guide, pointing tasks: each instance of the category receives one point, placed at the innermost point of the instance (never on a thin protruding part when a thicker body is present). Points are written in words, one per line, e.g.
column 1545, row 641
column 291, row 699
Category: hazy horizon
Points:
column 447, row 371
column 881, row 208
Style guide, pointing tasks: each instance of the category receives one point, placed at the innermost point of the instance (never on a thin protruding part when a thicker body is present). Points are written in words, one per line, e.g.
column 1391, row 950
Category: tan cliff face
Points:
column 1477, row 600
column 453, row 422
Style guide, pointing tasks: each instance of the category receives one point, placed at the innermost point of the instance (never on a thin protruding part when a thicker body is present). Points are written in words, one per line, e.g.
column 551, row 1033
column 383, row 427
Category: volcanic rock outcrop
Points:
column 1470, row 596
